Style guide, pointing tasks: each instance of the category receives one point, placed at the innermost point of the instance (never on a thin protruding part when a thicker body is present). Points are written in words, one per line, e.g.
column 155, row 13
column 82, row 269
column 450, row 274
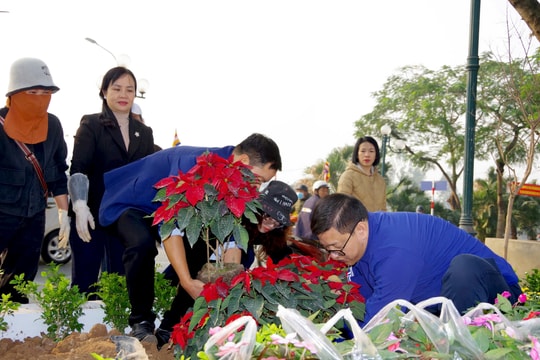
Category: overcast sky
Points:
column 301, row 72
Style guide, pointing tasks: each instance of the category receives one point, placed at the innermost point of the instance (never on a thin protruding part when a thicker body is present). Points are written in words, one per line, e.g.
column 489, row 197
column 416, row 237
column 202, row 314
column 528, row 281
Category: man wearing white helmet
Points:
column 32, row 167
column 302, row 230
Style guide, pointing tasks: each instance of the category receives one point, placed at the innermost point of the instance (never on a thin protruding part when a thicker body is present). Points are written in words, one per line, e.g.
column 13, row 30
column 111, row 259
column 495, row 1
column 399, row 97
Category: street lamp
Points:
column 386, row 131
column 90, row 40
column 142, row 87
column 124, row 60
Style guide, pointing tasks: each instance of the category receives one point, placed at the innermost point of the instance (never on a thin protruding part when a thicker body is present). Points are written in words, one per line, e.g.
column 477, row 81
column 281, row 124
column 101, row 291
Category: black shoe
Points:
column 162, row 336
column 144, row 331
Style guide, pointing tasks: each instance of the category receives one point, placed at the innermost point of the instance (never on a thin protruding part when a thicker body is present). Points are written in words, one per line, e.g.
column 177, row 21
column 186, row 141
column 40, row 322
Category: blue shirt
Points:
column 132, row 186
column 407, row 255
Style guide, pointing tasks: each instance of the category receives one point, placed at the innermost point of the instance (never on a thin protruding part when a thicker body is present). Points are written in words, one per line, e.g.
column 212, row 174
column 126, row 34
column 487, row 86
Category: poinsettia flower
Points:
column 244, row 278
column 532, row 314
column 287, row 275
column 213, row 291
column 180, row 334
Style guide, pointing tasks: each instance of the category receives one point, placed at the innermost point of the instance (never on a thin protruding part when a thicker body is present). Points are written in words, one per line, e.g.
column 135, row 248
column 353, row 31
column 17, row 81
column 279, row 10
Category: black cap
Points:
column 277, row 200
column 302, row 187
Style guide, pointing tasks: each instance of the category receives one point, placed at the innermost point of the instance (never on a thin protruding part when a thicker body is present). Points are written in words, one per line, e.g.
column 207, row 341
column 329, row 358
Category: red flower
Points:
column 180, row 334
column 532, row 314
column 213, row 291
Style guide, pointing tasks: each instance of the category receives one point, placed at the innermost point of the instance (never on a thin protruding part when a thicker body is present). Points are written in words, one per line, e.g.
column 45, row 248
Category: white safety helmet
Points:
column 319, row 184
column 30, row 73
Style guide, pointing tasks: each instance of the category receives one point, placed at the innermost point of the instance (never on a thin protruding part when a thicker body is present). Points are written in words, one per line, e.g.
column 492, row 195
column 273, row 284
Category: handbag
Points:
column 29, row 155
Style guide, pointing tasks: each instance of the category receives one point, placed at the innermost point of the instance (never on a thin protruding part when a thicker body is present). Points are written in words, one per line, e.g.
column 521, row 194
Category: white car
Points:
column 49, row 248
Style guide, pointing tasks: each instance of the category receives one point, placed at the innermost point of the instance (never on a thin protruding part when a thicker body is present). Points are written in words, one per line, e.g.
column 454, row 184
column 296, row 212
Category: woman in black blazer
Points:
column 104, row 141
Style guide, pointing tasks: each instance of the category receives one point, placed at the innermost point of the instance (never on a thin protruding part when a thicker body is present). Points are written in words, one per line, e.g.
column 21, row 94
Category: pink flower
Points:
column 506, row 294
column 230, row 348
column 522, row 298
column 394, row 345
column 486, row 320
column 535, row 350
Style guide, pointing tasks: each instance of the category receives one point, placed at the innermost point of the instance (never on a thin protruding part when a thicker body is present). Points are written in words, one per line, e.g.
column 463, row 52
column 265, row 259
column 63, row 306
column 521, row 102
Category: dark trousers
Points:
column 103, row 252
column 22, row 237
column 138, row 236
column 196, row 257
column 471, row 279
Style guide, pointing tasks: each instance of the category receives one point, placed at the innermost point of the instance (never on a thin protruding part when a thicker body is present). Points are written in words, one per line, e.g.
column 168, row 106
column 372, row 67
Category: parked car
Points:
column 49, row 248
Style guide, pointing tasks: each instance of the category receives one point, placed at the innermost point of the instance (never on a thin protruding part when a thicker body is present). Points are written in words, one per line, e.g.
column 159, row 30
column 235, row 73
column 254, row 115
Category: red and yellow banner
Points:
column 530, row 190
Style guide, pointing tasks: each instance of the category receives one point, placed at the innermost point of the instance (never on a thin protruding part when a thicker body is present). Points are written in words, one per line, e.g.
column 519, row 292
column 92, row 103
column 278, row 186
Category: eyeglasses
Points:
column 271, row 222
column 340, row 252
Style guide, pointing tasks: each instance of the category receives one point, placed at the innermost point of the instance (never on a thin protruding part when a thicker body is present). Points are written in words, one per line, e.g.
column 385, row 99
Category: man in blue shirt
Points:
column 128, row 202
column 409, row 256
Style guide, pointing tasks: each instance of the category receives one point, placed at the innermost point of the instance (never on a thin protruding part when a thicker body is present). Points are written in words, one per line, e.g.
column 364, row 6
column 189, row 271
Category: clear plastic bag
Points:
column 448, row 333
column 247, row 341
column 521, row 329
column 293, row 322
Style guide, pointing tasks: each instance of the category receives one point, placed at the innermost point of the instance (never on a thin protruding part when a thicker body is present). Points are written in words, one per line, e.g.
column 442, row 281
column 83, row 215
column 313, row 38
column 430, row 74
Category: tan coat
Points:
column 369, row 189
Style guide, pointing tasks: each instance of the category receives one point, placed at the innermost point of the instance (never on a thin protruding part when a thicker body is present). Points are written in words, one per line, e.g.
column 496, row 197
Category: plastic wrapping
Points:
column 293, row 321
column 247, row 341
column 78, row 185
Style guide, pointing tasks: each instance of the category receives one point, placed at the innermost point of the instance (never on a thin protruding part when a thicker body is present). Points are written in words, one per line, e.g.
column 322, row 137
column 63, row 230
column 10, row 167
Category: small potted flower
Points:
column 209, row 202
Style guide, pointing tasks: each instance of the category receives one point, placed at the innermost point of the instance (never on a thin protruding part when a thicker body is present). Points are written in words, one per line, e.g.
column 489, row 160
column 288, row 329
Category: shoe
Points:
column 162, row 336
column 144, row 332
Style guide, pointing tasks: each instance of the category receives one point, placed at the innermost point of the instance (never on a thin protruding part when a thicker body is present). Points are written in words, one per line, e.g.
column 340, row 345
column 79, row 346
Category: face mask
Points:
column 300, row 195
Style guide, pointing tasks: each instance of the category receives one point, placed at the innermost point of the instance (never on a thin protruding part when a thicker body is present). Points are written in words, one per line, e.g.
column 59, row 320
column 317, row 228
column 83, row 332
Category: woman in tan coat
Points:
column 361, row 178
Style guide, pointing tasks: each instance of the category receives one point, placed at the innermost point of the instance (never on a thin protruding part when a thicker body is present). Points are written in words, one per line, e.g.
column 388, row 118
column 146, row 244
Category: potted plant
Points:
column 209, row 202
column 318, row 290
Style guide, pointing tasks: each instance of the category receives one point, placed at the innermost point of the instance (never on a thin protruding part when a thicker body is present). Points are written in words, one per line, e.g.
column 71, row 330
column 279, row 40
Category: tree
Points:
column 529, row 10
column 338, row 159
column 503, row 122
column 426, row 109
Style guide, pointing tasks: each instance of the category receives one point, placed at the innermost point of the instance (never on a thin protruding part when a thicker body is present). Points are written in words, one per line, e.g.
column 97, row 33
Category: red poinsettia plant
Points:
column 318, row 290
column 208, row 202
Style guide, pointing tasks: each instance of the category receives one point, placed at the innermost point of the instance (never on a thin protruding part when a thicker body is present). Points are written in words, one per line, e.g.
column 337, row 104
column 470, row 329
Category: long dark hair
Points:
column 359, row 142
column 110, row 77
column 274, row 242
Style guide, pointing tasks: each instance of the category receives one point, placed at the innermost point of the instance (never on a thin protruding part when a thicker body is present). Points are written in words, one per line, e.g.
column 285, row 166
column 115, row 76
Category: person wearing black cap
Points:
column 303, row 194
column 269, row 234
column 32, row 167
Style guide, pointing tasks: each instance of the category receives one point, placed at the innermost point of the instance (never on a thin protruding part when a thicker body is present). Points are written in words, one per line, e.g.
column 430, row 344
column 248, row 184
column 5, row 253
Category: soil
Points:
column 77, row 346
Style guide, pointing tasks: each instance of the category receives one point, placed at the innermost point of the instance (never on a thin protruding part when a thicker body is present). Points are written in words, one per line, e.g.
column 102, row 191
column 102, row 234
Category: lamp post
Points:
column 124, row 60
column 90, row 40
column 385, row 131
column 465, row 221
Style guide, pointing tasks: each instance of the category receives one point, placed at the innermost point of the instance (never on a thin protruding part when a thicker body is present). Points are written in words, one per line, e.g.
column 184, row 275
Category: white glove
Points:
column 83, row 219
column 65, row 228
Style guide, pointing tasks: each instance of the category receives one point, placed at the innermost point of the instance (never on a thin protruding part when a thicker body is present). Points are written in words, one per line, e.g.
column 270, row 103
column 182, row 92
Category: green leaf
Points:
column 184, row 216
column 241, row 236
column 380, row 333
column 209, row 211
column 166, row 229
column 193, row 230
column 222, row 227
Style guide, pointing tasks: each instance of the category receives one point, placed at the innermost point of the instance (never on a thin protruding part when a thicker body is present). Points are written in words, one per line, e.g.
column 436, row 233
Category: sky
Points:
column 300, row 71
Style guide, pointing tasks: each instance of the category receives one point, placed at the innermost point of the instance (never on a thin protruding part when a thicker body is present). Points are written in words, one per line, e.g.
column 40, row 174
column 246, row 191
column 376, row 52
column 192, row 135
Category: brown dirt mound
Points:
column 77, row 346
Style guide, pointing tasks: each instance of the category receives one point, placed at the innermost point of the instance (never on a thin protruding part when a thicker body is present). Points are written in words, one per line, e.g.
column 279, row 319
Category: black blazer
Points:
column 99, row 147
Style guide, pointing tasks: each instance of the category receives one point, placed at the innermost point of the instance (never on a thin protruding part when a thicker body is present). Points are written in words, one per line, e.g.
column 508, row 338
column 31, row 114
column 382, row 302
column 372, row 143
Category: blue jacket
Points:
column 132, row 186
column 407, row 256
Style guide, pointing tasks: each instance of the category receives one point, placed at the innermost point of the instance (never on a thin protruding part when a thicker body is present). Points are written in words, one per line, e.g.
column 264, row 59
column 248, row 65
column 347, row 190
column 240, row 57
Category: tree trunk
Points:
column 529, row 10
column 501, row 208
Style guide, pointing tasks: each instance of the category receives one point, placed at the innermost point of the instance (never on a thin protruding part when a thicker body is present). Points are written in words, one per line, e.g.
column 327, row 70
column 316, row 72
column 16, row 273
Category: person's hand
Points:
column 193, row 287
column 83, row 219
column 65, row 228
